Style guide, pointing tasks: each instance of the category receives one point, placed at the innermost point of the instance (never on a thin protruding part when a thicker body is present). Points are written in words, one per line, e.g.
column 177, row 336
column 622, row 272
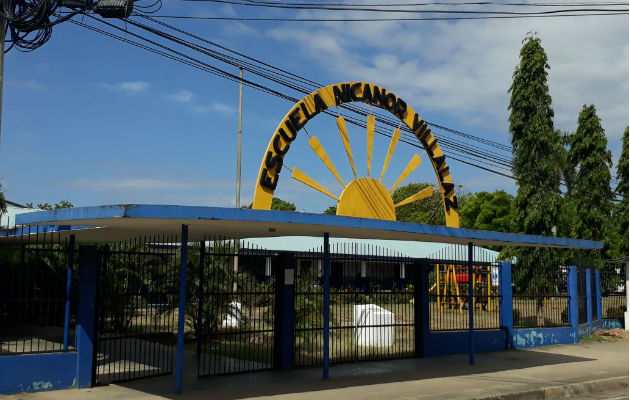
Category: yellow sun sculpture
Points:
column 364, row 197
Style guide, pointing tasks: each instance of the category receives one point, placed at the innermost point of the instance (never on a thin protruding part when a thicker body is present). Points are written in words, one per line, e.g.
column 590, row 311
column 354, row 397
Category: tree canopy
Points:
column 489, row 211
column 590, row 187
column 537, row 167
column 282, row 205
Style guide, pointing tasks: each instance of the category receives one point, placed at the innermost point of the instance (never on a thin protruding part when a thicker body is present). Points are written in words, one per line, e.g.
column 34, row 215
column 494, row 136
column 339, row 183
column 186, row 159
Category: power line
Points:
column 275, row 19
column 319, row 7
column 181, row 57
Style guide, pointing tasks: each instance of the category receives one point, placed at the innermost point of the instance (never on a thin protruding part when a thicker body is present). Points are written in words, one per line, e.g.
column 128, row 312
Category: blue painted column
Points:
column 589, row 299
column 326, row 304
column 284, row 340
column 598, row 294
column 181, row 314
column 572, row 290
column 86, row 315
column 471, row 313
column 66, row 318
column 506, row 310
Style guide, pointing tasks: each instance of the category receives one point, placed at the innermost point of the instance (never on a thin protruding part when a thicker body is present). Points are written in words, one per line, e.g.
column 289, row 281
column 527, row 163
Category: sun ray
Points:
column 423, row 194
column 390, row 151
column 308, row 181
column 343, row 131
column 321, row 153
column 370, row 141
column 413, row 164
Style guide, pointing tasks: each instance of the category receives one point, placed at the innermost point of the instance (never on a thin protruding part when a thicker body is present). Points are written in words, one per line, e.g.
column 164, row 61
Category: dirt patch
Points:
column 606, row 335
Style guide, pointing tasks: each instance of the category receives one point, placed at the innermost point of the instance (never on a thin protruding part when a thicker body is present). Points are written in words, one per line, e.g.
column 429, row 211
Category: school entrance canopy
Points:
column 119, row 222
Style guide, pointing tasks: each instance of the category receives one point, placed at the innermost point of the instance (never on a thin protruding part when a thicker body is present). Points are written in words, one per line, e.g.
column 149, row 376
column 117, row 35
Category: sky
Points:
column 95, row 121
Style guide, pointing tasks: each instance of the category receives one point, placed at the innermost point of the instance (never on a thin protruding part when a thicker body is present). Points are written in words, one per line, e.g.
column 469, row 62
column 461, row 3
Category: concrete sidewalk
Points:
column 546, row 372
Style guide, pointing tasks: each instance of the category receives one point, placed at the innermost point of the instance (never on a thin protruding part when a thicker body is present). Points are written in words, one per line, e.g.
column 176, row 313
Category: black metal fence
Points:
column 448, row 290
column 232, row 290
column 136, row 308
column 34, row 294
column 613, row 287
column 540, row 296
column 371, row 305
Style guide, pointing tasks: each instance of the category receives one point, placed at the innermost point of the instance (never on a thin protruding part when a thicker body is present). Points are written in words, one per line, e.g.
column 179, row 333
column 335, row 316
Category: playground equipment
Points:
column 449, row 277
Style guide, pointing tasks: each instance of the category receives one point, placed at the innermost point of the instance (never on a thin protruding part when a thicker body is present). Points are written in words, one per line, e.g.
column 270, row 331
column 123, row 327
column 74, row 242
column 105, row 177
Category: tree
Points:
column 535, row 148
column 619, row 225
column 590, row 187
column 281, row 205
column 489, row 211
column 47, row 206
column 332, row 210
column 3, row 201
column 535, row 143
column 427, row 211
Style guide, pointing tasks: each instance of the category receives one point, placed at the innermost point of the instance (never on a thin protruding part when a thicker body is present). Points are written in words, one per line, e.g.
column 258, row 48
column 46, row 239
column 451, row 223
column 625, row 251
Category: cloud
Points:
column 25, row 84
column 463, row 70
column 182, row 96
column 132, row 87
column 214, row 108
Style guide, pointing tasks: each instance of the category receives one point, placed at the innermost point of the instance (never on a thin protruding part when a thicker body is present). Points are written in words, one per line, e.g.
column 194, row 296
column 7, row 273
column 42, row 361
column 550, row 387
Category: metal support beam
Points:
column 326, row 303
column 471, row 320
column 66, row 319
column 181, row 314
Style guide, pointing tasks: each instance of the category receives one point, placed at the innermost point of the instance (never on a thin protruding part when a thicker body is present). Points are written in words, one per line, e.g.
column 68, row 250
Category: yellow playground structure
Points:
column 449, row 295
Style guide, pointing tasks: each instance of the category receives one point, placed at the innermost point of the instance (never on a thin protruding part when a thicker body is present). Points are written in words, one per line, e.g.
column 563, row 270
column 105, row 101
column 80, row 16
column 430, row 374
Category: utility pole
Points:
column 239, row 136
column 238, row 165
column 3, row 32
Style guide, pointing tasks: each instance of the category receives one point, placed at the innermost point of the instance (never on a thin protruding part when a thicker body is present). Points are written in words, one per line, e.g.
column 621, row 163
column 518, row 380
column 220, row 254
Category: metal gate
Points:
column 371, row 305
column 234, row 301
column 136, row 309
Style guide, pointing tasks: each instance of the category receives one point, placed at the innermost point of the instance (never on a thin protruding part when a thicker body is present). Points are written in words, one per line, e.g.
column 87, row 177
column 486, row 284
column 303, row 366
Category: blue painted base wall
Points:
column 611, row 324
column 445, row 343
column 526, row 338
column 37, row 372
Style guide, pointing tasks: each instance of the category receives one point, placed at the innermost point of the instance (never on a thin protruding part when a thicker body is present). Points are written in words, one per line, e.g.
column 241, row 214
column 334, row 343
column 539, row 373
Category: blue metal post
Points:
column 506, row 316
column 66, row 319
column 86, row 316
column 181, row 315
column 598, row 294
column 572, row 290
column 326, row 303
column 589, row 299
column 471, row 321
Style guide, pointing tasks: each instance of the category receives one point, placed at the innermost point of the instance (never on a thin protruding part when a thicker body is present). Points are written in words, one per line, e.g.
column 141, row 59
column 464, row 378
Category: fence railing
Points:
column 542, row 304
column 371, row 306
column 33, row 293
column 613, row 288
column 449, row 289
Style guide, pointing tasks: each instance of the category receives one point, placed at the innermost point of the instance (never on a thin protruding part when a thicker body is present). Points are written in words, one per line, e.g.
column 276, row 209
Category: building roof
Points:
column 119, row 222
column 361, row 247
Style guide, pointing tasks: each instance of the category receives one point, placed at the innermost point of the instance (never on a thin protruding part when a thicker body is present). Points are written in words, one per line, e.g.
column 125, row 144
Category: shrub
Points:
column 516, row 316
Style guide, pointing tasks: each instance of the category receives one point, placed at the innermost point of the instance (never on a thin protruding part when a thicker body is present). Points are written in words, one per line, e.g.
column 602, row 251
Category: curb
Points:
column 565, row 391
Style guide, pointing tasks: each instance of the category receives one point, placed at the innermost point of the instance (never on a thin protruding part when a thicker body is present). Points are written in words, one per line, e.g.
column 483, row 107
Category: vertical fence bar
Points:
column 66, row 319
column 471, row 322
column 326, row 303
column 181, row 315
